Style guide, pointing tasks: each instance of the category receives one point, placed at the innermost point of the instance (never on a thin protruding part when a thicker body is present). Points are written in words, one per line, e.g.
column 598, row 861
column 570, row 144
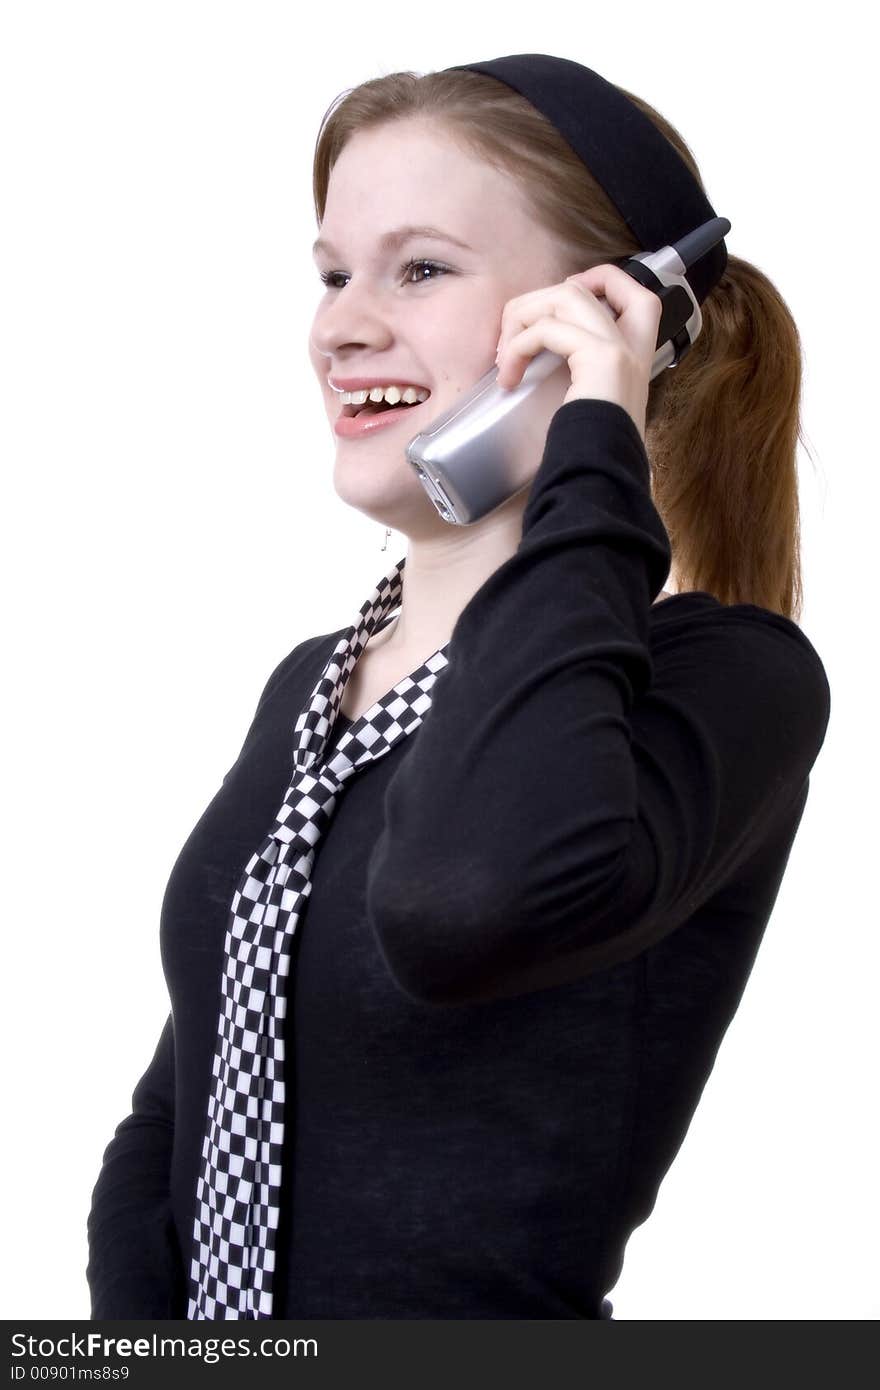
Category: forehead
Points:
column 414, row 172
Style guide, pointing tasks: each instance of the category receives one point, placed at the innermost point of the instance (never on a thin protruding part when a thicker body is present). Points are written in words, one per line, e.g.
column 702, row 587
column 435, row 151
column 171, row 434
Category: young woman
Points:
column 453, row 948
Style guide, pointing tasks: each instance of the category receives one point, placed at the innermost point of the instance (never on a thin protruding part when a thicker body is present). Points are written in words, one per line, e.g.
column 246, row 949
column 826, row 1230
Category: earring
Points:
column 387, row 534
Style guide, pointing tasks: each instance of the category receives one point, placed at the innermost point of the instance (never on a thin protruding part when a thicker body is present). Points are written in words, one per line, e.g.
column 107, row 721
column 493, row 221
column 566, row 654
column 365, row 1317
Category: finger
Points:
column 637, row 309
column 586, row 293
column 566, row 339
column 568, row 300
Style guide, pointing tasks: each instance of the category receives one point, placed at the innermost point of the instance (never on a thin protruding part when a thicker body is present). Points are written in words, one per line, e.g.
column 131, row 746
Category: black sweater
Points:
column 530, row 926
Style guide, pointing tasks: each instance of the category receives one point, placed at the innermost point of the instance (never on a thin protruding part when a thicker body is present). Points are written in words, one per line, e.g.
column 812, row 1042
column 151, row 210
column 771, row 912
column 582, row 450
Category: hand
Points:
column 609, row 342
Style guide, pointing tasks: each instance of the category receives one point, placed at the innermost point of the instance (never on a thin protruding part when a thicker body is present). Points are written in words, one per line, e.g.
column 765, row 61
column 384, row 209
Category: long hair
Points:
column 722, row 428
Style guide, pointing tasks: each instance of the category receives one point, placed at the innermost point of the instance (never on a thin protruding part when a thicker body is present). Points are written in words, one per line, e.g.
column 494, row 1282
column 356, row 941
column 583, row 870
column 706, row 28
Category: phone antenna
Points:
column 701, row 240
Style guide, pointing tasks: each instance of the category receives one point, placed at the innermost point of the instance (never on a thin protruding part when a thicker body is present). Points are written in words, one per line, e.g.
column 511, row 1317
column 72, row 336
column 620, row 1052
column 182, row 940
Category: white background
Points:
column 171, row 532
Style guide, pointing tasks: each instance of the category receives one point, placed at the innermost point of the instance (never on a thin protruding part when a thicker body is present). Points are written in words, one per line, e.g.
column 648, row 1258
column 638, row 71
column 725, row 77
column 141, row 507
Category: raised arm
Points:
column 573, row 793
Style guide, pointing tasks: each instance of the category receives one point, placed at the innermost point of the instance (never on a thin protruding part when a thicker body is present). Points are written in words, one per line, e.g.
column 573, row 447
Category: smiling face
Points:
column 436, row 325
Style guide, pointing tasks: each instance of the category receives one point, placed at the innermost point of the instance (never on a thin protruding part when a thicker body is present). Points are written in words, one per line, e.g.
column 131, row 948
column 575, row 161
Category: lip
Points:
column 366, row 383
column 355, row 426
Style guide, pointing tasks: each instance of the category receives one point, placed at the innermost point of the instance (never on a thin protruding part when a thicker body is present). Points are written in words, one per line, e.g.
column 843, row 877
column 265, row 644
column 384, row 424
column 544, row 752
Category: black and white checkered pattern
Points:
column 237, row 1194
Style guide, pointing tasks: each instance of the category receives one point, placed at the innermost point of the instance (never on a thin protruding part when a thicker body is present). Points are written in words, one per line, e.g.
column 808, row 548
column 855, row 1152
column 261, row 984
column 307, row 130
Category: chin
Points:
column 381, row 482
column 387, row 493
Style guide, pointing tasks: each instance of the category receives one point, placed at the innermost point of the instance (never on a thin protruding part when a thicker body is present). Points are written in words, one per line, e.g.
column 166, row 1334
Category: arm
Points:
column 275, row 686
column 134, row 1268
column 573, row 794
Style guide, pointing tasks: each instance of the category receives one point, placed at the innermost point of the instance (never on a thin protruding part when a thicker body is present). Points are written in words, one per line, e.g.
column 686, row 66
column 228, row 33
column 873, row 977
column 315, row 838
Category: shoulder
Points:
column 746, row 660
column 303, row 662
column 738, row 624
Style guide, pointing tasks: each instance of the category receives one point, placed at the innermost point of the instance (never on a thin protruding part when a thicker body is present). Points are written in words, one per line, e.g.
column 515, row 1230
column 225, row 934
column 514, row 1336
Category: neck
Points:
column 442, row 574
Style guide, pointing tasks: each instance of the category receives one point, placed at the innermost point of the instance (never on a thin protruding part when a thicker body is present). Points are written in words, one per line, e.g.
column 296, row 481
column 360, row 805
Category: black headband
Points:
column 644, row 176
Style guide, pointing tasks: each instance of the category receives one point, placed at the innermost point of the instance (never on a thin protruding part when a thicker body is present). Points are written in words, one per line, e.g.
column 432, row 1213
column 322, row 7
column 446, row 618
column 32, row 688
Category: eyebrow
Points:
column 394, row 239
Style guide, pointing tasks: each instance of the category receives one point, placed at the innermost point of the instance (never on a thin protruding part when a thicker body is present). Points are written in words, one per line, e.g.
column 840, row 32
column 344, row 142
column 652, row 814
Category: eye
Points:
column 416, row 265
column 328, row 276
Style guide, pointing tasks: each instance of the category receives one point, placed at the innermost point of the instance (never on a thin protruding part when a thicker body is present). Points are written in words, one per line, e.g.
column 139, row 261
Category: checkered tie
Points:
column 237, row 1194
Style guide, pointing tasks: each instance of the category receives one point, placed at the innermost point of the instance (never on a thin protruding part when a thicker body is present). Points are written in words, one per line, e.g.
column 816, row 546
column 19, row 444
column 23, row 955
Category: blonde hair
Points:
column 722, row 427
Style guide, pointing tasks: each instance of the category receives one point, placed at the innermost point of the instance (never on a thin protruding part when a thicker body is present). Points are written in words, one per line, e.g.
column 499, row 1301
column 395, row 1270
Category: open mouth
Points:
column 375, row 407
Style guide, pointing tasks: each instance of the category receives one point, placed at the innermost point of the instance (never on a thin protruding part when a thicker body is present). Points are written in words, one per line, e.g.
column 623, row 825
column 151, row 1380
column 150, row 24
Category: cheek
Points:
column 486, row 326
column 320, row 363
column 465, row 345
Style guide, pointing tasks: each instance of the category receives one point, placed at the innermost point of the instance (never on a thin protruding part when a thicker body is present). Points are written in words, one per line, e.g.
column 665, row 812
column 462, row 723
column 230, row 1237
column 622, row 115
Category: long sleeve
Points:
column 134, row 1268
column 576, row 792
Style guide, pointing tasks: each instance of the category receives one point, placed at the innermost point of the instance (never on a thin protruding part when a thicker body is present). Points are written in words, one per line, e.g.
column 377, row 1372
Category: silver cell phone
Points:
column 489, row 443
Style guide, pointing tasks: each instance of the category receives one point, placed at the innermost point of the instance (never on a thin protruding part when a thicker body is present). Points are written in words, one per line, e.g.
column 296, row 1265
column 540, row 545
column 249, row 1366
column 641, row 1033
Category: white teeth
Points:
column 410, row 395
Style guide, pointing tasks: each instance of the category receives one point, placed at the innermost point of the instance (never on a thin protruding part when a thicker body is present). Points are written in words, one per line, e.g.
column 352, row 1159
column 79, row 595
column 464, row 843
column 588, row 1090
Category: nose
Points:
column 350, row 318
